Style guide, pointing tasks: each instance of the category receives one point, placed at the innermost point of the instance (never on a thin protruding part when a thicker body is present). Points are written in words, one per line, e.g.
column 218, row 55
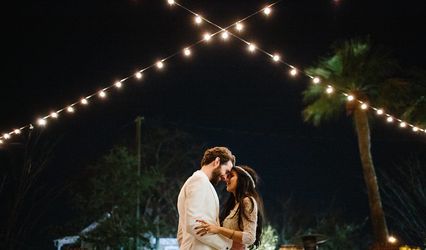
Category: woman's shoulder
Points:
column 249, row 202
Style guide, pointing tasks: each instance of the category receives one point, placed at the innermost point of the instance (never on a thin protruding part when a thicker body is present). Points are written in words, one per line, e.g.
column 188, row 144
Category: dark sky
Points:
column 55, row 52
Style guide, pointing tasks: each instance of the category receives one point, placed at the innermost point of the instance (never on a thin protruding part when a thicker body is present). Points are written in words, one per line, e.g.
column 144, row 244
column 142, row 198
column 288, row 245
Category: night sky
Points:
column 56, row 52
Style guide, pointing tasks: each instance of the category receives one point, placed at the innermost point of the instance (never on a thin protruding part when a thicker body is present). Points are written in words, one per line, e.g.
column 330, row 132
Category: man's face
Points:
column 221, row 172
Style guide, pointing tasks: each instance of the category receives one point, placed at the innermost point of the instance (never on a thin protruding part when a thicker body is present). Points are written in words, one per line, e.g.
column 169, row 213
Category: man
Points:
column 198, row 200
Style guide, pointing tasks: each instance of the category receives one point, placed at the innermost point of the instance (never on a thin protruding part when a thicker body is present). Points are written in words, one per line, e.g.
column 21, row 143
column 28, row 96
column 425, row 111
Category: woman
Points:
column 242, row 215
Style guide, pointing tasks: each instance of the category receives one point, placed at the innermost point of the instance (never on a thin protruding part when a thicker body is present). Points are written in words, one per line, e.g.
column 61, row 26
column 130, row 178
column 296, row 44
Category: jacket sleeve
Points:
column 179, row 236
column 197, row 205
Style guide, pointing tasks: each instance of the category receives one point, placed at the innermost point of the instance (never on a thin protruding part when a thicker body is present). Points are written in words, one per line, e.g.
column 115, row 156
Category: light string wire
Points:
column 42, row 121
column 294, row 70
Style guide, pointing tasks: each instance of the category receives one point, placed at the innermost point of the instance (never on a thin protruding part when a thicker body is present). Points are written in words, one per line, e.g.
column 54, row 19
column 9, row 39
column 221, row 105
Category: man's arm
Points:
column 196, row 206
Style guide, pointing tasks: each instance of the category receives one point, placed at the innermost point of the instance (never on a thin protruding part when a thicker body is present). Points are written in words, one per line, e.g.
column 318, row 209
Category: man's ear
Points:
column 217, row 162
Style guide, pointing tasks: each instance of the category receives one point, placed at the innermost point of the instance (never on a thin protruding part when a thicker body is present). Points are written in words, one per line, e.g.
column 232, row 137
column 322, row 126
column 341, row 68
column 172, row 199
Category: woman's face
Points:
column 231, row 182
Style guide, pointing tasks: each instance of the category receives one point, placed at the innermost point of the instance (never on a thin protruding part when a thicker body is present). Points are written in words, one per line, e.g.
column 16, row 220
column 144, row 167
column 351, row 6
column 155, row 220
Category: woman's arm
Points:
column 205, row 228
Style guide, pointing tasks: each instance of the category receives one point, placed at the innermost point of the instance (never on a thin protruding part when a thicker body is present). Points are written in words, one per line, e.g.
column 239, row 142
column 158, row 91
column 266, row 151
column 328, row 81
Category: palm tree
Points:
column 367, row 72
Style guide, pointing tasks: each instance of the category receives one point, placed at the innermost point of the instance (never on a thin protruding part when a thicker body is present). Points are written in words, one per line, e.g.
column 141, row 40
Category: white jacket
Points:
column 198, row 200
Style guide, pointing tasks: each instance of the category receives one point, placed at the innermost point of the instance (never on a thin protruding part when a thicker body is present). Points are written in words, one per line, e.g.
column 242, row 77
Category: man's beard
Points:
column 215, row 176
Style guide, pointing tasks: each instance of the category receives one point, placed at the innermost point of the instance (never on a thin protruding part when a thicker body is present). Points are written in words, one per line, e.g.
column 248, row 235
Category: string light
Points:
column 380, row 111
column 138, row 75
column 239, row 26
column 251, row 47
column 293, row 72
column 102, row 94
column 41, row 122
column 198, row 20
column 1, row 142
column 187, row 52
column 83, row 101
column 392, row 239
column 364, row 106
column 207, row 37
column 54, row 115
column 171, row 2
column 329, row 89
column 389, row 119
column 17, row 131
column 70, row 109
column 118, row 84
column 225, row 35
column 350, row 98
column 6, row 136
column 403, row 124
column 276, row 57
column 160, row 64
column 316, row 80
column 267, row 11
column 415, row 129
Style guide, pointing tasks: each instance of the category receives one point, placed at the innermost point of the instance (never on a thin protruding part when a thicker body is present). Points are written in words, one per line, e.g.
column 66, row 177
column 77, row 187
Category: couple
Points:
column 240, row 222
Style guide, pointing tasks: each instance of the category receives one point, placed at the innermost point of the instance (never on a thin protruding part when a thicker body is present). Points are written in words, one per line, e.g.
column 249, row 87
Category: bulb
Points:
column 207, row 37
column 138, row 75
column 316, row 80
column 380, row 111
column 41, row 122
column 364, row 106
column 403, row 124
column 350, row 98
column 83, row 101
column 1, row 141
column 17, row 131
column 276, row 57
column 54, row 115
column 187, row 52
column 293, row 72
column 160, row 64
column 252, row 47
column 239, row 26
column 198, row 19
column 329, row 90
column 392, row 239
column 102, row 94
column 171, row 2
column 118, row 84
column 415, row 129
column 267, row 11
column 225, row 35
column 70, row 109
column 389, row 119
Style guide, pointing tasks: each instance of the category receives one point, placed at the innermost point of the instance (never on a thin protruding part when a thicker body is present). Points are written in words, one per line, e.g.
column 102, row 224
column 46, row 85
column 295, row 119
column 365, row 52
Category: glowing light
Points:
column 364, row 106
column 252, row 47
column 17, row 131
column 6, row 136
column 160, row 64
column 138, row 75
column 70, row 109
column 171, row 2
column 267, row 11
column 102, row 94
column 118, row 84
column 1, row 141
column 83, row 101
column 41, row 122
column 207, row 37
column 329, row 90
column 239, row 26
column 293, row 72
column 276, row 58
column 198, row 19
column 187, row 52
column 54, row 115
column 225, row 35
column 403, row 124
column 415, row 129
column 350, row 98
column 389, row 119
column 380, row 111
column 392, row 239
column 316, row 80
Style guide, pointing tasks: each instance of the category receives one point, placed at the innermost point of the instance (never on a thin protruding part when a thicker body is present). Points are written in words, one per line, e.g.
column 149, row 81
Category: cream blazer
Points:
column 198, row 200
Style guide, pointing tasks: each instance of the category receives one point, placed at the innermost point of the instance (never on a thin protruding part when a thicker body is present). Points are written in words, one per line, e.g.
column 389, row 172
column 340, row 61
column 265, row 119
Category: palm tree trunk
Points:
column 378, row 220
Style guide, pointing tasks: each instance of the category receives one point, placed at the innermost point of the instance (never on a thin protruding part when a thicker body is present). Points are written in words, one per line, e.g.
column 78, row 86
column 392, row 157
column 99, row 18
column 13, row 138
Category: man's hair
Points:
column 223, row 153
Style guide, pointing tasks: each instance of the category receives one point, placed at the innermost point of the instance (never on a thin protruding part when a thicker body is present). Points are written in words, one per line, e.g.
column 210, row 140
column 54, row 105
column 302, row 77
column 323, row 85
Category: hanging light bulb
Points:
column 276, row 57
column 380, row 111
column 293, row 72
column 171, row 2
column 389, row 119
column 41, row 122
column 160, row 64
column 1, row 142
column 187, row 52
column 316, row 80
column 267, row 11
column 83, row 101
column 6, row 136
column 364, row 106
column 329, row 89
column 118, row 84
column 102, row 94
column 70, row 109
column 198, row 19
column 239, row 26
column 350, row 98
column 138, row 75
column 54, row 115
column 251, row 47
column 403, row 124
column 225, row 35
column 415, row 129
column 17, row 131
column 207, row 37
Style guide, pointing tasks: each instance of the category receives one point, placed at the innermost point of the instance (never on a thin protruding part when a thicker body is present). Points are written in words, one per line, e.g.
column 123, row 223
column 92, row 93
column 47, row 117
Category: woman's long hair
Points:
column 245, row 189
